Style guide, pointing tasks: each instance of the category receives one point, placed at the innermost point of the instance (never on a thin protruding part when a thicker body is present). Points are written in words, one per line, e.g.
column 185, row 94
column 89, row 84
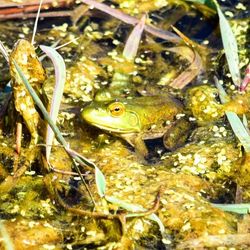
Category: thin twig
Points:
column 36, row 22
column 152, row 210
column 56, row 170
column 97, row 215
column 18, row 136
column 65, row 44
column 33, row 15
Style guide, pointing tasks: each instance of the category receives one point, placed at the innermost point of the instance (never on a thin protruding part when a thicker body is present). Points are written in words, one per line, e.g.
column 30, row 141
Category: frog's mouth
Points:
column 111, row 129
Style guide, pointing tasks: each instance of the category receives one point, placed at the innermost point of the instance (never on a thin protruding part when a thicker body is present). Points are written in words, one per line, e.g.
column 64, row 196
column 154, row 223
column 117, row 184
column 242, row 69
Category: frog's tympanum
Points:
column 24, row 55
column 138, row 119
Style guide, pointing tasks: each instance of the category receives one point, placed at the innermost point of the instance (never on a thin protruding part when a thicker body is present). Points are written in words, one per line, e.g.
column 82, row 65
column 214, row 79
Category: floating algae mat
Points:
column 124, row 130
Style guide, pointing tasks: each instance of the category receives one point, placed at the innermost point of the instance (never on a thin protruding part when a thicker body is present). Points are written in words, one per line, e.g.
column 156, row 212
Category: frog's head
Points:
column 114, row 116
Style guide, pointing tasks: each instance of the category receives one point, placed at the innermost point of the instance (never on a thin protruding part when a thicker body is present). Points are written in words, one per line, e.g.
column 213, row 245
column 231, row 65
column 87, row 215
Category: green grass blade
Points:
column 127, row 206
column 156, row 219
column 222, row 93
column 228, row 40
column 129, row 53
column 60, row 78
column 245, row 122
column 100, row 182
column 238, row 127
column 243, row 208
column 230, row 47
column 136, row 208
column 239, row 130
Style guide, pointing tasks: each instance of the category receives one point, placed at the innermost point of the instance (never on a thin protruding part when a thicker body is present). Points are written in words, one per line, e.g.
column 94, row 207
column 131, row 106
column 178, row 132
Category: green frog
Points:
column 140, row 118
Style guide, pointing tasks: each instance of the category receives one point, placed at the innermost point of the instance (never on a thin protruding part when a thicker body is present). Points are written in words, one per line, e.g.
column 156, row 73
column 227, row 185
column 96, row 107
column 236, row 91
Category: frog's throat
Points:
column 112, row 129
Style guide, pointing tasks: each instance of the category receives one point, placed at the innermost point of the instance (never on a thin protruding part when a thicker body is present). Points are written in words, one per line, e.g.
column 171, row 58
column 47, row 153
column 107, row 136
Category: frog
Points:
column 137, row 119
column 25, row 56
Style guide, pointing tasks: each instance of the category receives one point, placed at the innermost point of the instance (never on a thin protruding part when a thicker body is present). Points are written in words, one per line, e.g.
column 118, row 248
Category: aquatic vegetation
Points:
column 164, row 34
column 121, row 79
column 96, row 191
column 238, row 127
column 24, row 54
column 246, row 79
column 192, row 55
column 60, row 77
column 230, row 47
column 137, row 211
column 201, row 101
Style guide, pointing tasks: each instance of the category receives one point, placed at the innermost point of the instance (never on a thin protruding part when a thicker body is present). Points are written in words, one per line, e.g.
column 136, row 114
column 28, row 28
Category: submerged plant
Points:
column 228, row 40
column 137, row 210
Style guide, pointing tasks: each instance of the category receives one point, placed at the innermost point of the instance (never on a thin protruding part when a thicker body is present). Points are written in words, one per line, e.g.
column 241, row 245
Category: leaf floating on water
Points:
column 60, row 78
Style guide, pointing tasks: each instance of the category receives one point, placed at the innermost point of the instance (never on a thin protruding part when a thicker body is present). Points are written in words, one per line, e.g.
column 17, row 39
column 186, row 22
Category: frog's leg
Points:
column 136, row 142
column 140, row 146
column 177, row 134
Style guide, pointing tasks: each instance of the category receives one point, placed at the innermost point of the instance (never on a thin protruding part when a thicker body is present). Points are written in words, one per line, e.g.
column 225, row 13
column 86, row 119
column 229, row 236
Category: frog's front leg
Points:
column 140, row 146
column 138, row 143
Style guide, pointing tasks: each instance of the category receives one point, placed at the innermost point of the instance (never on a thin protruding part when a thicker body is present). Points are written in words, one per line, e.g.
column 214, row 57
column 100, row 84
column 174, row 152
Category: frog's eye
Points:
column 116, row 109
